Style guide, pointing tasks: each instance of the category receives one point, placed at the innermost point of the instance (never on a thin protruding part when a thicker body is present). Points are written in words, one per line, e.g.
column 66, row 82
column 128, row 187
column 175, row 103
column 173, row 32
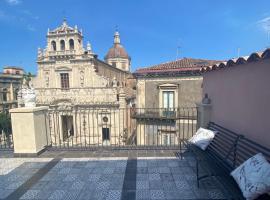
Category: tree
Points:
column 5, row 124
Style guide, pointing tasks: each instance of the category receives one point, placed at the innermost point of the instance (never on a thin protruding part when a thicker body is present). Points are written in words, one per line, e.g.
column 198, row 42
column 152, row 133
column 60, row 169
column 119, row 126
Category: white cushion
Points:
column 202, row 138
column 253, row 176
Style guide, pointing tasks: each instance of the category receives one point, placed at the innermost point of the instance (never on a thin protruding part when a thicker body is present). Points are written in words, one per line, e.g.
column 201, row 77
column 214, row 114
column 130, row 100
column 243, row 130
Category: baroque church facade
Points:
column 88, row 98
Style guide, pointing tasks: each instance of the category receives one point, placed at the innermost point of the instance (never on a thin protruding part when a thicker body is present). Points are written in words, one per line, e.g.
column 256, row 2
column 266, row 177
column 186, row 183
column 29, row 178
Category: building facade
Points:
column 167, row 94
column 10, row 83
column 87, row 96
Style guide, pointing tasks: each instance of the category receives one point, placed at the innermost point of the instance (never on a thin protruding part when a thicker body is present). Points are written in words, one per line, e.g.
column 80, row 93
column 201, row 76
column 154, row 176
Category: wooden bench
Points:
column 226, row 152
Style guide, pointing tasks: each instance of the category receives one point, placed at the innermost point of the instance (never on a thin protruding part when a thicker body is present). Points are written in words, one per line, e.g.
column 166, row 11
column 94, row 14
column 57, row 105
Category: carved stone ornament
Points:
column 28, row 94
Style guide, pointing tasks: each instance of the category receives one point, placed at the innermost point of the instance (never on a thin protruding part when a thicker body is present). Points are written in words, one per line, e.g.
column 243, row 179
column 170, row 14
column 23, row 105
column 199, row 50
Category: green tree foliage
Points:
column 5, row 123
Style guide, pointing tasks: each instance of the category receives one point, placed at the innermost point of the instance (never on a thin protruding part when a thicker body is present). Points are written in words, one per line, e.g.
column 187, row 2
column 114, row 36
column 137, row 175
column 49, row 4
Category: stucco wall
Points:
column 240, row 99
column 189, row 91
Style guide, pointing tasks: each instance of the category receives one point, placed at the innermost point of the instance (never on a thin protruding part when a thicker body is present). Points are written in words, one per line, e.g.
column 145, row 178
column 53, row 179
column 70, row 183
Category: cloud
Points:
column 12, row 19
column 13, row 2
column 29, row 14
column 264, row 23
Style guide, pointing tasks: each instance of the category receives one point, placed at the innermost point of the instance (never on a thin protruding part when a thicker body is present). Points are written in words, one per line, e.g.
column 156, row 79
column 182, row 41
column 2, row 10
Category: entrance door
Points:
column 106, row 136
column 67, row 126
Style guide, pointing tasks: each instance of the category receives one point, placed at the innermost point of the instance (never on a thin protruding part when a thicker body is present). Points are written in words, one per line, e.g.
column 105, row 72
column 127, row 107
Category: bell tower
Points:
column 65, row 40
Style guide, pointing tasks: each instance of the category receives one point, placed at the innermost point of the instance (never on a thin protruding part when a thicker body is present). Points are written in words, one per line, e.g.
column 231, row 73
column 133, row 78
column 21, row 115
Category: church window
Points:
column 62, row 45
column 64, row 80
column 53, row 44
column 71, row 44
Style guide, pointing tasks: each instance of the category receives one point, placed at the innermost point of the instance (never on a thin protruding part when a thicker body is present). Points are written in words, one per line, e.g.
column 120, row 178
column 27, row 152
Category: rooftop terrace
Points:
column 123, row 174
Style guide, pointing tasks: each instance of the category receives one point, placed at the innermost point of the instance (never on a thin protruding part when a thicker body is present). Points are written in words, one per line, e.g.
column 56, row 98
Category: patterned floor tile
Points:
column 4, row 193
column 157, row 194
column 114, row 195
column 153, row 177
column 103, row 185
column 70, row 177
column 172, row 194
column 216, row 194
column 142, row 194
column 30, row 194
column 182, row 185
column 142, row 177
column 57, row 194
column 142, row 185
column 77, row 185
column 155, row 184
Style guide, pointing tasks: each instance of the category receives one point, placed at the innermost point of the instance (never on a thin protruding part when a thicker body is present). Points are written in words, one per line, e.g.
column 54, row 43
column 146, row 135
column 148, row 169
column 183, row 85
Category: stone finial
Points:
column 64, row 22
column 116, row 37
column 206, row 99
column 39, row 52
column 88, row 47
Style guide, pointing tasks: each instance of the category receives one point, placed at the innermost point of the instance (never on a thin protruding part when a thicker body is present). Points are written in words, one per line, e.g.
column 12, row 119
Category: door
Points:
column 168, row 103
column 106, row 136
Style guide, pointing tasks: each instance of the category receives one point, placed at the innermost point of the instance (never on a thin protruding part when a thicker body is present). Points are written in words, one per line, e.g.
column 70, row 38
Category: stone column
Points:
column 204, row 112
column 30, row 128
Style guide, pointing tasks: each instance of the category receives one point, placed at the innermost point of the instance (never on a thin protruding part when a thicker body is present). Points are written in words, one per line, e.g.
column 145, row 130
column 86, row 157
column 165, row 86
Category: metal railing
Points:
column 84, row 127
column 6, row 141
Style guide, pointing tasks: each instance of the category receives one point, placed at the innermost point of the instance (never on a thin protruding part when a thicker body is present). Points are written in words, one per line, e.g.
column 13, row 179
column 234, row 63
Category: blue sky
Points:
column 150, row 30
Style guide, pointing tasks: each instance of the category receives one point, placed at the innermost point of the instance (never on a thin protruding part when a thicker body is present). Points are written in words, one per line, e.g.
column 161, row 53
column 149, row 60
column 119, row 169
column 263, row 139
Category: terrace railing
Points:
column 84, row 127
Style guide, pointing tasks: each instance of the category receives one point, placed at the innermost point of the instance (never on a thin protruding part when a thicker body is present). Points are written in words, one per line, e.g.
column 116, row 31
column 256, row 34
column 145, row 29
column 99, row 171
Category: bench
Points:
column 226, row 152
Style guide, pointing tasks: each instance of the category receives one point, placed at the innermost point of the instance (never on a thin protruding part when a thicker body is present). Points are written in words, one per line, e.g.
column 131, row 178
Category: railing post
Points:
column 204, row 112
column 30, row 130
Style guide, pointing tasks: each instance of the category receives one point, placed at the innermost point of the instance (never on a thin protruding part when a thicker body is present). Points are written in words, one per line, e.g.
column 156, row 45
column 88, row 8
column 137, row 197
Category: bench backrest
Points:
column 247, row 148
column 223, row 146
column 232, row 148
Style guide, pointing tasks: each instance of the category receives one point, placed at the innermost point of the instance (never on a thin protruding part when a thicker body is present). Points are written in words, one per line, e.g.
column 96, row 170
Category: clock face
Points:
column 105, row 119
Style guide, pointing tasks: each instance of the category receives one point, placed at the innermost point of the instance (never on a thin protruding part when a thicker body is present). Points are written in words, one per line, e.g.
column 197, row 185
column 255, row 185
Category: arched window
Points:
column 5, row 94
column 62, row 45
column 71, row 44
column 53, row 44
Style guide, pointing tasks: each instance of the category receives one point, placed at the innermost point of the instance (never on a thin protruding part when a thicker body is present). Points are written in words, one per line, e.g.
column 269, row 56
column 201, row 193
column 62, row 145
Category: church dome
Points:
column 117, row 51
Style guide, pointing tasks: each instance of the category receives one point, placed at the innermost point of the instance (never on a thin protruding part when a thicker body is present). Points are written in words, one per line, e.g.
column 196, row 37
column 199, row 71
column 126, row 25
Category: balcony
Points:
column 163, row 113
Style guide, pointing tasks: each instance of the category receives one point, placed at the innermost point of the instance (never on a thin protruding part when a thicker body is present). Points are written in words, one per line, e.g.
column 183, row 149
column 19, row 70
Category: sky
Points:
column 151, row 30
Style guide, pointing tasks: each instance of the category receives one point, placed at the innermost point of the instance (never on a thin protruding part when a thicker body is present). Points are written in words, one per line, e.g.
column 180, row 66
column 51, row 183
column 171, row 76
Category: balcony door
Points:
column 168, row 103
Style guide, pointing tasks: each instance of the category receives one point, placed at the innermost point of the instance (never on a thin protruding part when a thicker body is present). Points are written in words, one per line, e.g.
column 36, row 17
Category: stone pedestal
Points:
column 204, row 114
column 30, row 129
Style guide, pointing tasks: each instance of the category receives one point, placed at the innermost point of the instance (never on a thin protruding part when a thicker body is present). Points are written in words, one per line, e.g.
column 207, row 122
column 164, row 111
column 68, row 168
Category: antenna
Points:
column 268, row 35
column 238, row 52
column 178, row 49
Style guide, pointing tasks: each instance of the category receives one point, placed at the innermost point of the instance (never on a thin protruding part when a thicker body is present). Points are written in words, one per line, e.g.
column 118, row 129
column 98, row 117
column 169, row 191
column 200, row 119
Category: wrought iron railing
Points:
column 6, row 141
column 86, row 127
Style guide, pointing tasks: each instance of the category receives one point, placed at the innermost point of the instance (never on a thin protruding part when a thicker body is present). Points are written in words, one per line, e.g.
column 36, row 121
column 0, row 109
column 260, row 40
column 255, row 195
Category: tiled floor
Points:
column 103, row 178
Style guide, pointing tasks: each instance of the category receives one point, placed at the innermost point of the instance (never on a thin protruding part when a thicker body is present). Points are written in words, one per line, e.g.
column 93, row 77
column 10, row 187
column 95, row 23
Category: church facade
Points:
column 87, row 97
